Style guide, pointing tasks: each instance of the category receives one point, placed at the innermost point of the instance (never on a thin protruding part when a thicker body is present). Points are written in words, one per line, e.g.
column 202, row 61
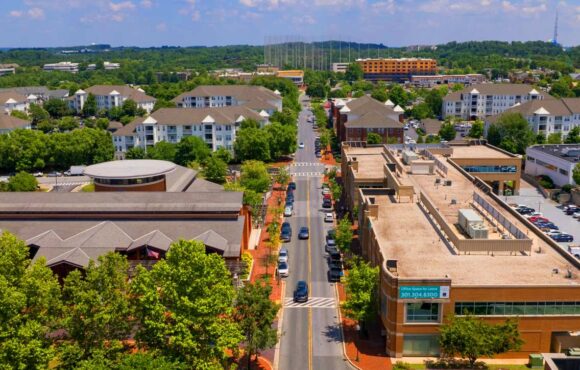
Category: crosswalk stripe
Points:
column 302, row 174
column 303, row 164
column 313, row 302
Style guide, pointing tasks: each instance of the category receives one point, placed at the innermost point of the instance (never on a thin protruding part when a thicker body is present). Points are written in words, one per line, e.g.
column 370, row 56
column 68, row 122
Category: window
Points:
column 517, row 308
column 422, row 312
column 421, row 345
column 563, row 172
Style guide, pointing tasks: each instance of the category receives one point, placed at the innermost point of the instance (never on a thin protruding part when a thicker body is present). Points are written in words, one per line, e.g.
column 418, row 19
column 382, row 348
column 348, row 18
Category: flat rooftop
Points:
column 370, row 162
column 568, row 152
column 129, row 169
column 477, row 151
column 407, row 234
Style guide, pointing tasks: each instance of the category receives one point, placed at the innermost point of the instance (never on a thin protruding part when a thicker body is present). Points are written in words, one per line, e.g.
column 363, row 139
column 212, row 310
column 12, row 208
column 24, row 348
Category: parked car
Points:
column 576, row 215
column 301, row 292
column 574, row 250
column 325, row 191
column 334, row 274
column 283, row 255
column 288, row 211
column 328, row 217
column 538, row 219
column 547, row 225
column 304, row 233
column 571, row 210
column 562, row 238
column 334, row 255
column 327, row 196
column 283, row 269
column 286, row 232
column 326, row 203
column 525, row 210
column 318, row 155
column 54, row 174
column 290, row 197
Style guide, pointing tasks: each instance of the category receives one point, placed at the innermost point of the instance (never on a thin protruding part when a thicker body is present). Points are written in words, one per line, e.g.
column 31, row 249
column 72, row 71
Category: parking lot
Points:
column 550, row 209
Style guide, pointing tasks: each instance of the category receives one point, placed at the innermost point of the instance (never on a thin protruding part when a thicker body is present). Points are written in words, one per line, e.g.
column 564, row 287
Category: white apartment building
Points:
column 257, row 98
column 548, row 116
column 482, row 100
column 340, row 67
column 444, row 80
column 111, row 96
column 216, row 126
column 555, row 161
column 107, row 66
column 62, row 66
column 10, row 101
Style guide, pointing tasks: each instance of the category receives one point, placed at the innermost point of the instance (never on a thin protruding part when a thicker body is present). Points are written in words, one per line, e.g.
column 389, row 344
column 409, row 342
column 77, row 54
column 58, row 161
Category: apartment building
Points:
column 107, row 66
column 482, row 100
column 62, row 67
column 446, row 80
column 556, row 161
column 9, row 123
column 398, row 70
column 483, row 258
column 37, row 94
column 8, row 69
column 257, row 98
column 111, row 96
column 11, row 100
column 216, row 126
column 548, row 116
column 354, row 119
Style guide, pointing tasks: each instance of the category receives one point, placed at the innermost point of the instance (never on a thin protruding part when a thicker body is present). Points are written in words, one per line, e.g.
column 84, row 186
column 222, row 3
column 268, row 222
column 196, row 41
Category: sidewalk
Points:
column 371, row 351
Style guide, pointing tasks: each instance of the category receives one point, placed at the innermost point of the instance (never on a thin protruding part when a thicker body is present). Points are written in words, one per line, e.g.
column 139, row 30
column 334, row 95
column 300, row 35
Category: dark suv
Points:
column 301, row 292
column 286, row 232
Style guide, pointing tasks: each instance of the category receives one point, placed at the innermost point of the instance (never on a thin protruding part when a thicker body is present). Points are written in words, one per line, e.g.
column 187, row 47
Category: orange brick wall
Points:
column 399, row 66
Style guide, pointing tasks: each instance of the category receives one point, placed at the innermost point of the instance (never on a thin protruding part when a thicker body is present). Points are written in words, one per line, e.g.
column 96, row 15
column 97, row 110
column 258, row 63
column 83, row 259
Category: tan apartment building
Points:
column 396, row 69
column 453, row 247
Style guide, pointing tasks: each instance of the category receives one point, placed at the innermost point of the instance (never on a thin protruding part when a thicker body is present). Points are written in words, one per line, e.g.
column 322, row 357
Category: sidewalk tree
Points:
column 215, row 170
column 98, row 315
column 476, row 130
column 255, row 313
column 361, row 285
column 30, row 304
column 374, row 138
column 255, row 176
column 470, row 337
column 447, row 132
column 283, row 177
column 344, row 235
column 185, row 306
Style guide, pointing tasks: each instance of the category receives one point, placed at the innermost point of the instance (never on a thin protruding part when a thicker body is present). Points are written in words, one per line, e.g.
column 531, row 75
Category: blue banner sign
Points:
column 423, row 292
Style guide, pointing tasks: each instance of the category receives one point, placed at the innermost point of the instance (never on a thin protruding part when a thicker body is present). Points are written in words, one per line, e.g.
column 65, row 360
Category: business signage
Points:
column 423, row 292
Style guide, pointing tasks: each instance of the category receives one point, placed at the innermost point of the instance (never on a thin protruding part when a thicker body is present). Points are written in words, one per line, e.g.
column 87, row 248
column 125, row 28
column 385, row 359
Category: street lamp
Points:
column 357, row 327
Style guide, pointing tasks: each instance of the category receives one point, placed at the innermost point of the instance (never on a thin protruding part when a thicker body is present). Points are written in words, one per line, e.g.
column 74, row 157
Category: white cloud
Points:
column 35, row 13
column 118, row 7
column 195, row 16
column 146, row 3
column 385, row 6
column 16, row 13
column 161, row 27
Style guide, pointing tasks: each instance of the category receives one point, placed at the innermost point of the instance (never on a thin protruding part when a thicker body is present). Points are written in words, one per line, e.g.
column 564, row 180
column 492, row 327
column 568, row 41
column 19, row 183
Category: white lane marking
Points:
column 313, row 302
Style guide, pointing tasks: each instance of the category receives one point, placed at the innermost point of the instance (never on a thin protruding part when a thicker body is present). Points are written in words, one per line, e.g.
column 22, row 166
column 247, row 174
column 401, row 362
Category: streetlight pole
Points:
column 355, row 344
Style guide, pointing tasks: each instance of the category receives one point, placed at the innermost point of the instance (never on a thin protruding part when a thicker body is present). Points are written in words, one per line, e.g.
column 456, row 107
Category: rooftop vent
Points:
column 392, row 265
column 372, row 200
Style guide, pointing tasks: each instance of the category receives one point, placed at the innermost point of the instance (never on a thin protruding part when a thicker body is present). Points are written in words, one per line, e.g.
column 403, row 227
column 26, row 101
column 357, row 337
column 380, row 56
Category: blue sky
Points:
column 25, row 23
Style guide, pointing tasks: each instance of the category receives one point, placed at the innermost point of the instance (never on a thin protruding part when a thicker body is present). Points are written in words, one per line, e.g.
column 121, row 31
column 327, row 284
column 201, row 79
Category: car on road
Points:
column 304, row 233
column 334, row 255
column 38, row 174
column 54, row 174
column 292, row 185
column 335, row 274
column 330, row 245
column 283, row 255
column 326, row 203
column 301, row 145
column 283, row 269
column 525, row 210
column 328, row 217
column 290, row 197
column 562, row 238
column 325, row 191
column 288, row 211
column 318, row 155
column 301, row 292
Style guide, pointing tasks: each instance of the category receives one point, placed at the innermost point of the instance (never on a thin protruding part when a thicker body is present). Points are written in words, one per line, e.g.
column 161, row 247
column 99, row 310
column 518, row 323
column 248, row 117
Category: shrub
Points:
column 546, row 182
column 567, row 188
column 402, row 366
column 247, row 264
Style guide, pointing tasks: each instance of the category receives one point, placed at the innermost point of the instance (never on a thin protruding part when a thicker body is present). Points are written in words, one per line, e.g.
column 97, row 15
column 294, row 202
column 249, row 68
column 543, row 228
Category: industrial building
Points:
column 555, row 161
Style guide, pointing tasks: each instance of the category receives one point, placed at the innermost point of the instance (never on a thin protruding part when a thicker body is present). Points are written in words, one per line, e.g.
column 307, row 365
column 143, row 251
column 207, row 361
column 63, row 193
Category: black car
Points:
column 334, row 275
column 331, row 234
column 330, row 245
column 286, row 232
column 303, row 234
column 334, row 255
column 326, row 203
column 571, row 210
column 301, row 292
column 292, row 186
column 289, row 203
column 525, row 210
column 318, row 155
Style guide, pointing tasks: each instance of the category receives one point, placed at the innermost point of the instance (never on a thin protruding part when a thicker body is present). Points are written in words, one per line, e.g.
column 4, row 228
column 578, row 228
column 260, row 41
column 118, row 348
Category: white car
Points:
column 38, row 174
column 288, row 211
column 283, row 255
column 576, row 215
column 554, row 232
column 301, row 145
column 325, row 191
column 328, row 217
column 283, row 269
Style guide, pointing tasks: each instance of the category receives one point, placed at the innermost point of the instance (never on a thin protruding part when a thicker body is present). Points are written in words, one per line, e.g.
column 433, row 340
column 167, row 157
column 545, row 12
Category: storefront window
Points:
column 422, row 312
column 421, row 345
column 517, row 308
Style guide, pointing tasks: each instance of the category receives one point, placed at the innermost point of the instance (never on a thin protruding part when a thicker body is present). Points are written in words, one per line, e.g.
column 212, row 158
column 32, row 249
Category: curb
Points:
column 279, row 331
column 344, row 353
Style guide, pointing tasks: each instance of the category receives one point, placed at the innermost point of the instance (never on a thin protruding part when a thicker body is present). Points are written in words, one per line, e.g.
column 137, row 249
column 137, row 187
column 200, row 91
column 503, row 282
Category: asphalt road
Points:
column 311, row 335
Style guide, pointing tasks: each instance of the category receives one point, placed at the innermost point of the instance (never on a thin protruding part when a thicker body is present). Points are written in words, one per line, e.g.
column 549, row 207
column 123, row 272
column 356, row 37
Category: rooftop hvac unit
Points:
column 467, row 217
column 409, row 156
column 477, row 231
column 448, row 182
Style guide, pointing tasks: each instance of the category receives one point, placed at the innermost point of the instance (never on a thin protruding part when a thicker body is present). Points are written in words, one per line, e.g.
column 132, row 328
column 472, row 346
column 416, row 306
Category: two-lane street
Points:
column 311, row 334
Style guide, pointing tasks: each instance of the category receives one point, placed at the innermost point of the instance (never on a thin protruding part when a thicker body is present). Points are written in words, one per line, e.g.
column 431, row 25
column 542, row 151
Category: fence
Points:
column 493, row 212
column 442, row 167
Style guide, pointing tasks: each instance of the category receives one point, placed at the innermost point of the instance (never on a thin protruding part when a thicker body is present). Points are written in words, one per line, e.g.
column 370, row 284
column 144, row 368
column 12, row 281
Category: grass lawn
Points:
column 90, row 188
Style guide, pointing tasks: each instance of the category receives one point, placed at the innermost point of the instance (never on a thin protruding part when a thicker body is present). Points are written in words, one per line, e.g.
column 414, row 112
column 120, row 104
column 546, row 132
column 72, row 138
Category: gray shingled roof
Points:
column 240, row 92
column 8, row 122
column 496, row 89
column 370, row 113
column 7, row 95
column 561, row 107
column 192, row 116
column 128, row 91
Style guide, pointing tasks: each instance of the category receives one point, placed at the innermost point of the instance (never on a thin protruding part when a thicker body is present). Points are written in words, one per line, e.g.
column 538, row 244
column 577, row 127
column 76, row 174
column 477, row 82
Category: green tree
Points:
column 252, row 144
column 561, row 89
column 398, row 95
column 379, row 94
column 476, row 130
column 282, row 139
column 283, row 177
column 90, row 106
column 57, row 108
column 354, row 72
column 573, row 136
column 185, row 306
column 191, row 148
column 421, row 111
column 136, row 153
column 434, row 100
column 67, row 123
column 163, row 151
column 20, row 114
column 22, row 181
column 361, row 285
column 29, row 307
column 555, row 138
column 344, row 235
column 255, row 176
column 447, row 132
column 576, row 174
column 99, row 314
column 470, row 337
column 215, row 170
column 514, row 132
column 223, row 154
column 457, row 87
column 286, row 117
column 374, row 138
column 494, row 135
column 129, row 108
column 255, row 313
column 316, row 90
column 38, row 114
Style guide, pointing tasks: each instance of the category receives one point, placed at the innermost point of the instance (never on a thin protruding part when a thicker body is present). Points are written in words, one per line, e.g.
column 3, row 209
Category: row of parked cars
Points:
column 317, row 147
column 543, row 223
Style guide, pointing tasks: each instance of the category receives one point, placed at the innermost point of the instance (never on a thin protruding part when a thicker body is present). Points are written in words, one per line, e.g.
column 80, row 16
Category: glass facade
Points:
column 138, row 181
column 422, row 312
column 421, row 345
column 517, row 308
column 490, row 169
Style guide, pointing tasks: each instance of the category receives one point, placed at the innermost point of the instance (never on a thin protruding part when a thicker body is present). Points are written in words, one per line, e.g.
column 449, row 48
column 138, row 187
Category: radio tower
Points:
column 555, row 39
